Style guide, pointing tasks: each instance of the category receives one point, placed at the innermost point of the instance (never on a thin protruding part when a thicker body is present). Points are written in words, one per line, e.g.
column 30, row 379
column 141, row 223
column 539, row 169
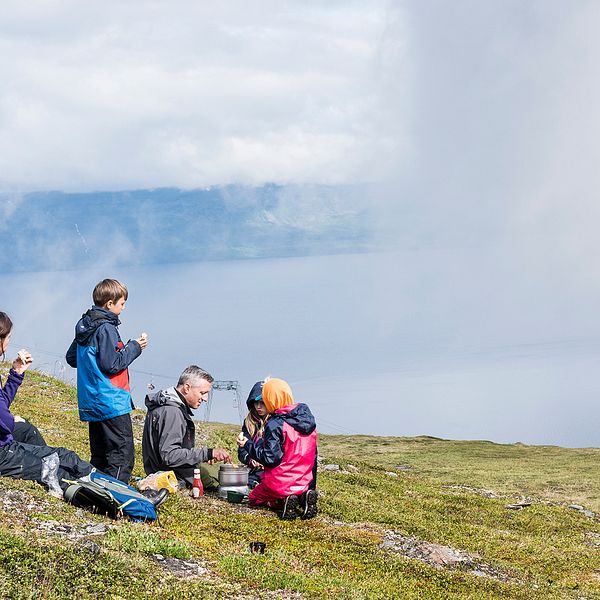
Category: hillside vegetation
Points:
column 399, row 518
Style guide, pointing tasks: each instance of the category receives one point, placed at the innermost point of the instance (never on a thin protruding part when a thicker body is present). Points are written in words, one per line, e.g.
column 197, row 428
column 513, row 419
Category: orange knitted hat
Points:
column 276, row 393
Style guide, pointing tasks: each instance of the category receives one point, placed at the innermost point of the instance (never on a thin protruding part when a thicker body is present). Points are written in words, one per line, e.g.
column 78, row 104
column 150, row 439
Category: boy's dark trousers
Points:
column 111, row 446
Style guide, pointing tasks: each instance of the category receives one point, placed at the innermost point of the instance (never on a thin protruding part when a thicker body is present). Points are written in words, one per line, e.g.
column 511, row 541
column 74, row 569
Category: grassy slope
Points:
column 546, row 548
column 547, row 472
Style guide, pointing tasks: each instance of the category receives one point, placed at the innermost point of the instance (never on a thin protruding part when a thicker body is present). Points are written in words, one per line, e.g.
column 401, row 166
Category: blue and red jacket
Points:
column 101, row 360
column 7, row 395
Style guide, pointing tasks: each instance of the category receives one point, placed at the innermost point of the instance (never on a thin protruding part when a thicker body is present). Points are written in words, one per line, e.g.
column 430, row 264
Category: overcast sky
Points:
column 112, row 95
column 469, row 105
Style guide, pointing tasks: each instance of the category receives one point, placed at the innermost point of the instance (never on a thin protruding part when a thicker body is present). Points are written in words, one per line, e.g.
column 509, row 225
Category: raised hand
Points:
column 22, row 362
column 143, row 340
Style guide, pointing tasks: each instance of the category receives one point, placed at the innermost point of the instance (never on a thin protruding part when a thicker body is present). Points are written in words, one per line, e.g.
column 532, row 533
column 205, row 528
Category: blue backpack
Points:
column 108, row 496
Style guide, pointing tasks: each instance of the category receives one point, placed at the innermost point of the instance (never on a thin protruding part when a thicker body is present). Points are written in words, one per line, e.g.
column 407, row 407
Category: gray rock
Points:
column 180, row 568
column 479, row 573
column 391, row 474
column 447, row 557
column 90, row 546
column 331, row 467
column 99, row 529
column 518, row 505
column 584, row 511
column 441, row 557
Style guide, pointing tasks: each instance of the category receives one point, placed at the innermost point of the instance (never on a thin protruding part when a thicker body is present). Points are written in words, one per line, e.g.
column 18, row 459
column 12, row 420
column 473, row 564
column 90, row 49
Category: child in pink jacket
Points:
column 288, row 451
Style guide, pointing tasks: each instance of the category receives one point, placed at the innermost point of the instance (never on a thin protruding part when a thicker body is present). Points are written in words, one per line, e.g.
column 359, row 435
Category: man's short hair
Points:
column 109, row 289
column 192, row 375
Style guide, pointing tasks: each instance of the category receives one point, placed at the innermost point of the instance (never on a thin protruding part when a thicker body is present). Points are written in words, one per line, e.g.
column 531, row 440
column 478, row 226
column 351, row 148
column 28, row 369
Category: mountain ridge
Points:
column 63, row 231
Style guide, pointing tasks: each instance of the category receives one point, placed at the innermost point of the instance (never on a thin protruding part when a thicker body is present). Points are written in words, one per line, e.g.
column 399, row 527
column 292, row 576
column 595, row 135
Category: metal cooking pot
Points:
column 230, row 475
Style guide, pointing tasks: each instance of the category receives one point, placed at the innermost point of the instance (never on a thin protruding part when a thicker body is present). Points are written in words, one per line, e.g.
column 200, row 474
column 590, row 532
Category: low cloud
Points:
column 154, row 94
column 504, row 132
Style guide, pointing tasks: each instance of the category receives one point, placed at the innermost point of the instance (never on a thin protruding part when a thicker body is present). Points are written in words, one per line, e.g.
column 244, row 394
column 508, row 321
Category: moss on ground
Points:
column 445, row 492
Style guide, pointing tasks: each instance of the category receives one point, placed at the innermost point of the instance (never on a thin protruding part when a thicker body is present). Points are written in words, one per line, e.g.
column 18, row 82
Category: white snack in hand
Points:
column 144, row 335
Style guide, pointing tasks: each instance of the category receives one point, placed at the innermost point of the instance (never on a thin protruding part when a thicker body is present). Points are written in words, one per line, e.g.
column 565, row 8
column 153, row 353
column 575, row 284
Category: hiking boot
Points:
column 308, row 505
column 156, row 497
column 290, row 508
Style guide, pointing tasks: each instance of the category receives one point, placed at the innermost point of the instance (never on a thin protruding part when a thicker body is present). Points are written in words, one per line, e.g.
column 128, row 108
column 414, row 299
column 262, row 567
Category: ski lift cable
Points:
column 337, row 426
column 220, row 385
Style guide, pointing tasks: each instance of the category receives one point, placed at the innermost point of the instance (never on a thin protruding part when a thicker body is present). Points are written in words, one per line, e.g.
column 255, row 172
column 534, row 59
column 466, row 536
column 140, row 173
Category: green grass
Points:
column 545, row 549
column 135, row 538
column 546, row 472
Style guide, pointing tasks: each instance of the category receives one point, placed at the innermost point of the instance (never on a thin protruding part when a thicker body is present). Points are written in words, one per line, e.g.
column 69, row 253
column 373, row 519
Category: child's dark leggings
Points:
column 27, row 433
column 24, row 461
column 111, row 446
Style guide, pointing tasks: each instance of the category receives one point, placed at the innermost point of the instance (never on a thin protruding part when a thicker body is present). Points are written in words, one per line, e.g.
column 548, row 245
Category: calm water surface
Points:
column 374, row 344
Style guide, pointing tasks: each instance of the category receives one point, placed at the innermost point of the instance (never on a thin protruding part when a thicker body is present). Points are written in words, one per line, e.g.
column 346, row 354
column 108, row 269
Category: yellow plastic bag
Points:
column 159, row 480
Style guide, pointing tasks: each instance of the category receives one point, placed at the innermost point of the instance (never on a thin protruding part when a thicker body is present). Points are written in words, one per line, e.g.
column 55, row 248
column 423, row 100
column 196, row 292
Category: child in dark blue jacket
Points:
column 103, row 392
column 252, row 429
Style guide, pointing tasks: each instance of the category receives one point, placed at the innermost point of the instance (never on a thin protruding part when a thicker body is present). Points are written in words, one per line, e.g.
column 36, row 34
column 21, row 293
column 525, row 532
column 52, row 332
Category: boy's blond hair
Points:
column 109, row 289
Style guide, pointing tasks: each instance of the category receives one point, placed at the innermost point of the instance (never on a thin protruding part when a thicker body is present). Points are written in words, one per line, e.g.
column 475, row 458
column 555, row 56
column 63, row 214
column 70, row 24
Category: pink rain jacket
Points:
column 288, row 447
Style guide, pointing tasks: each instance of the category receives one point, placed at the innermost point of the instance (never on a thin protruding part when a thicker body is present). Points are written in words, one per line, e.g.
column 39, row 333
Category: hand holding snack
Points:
column 221, row 454
column 142, row 340
column 22, row 362
column 241, row 440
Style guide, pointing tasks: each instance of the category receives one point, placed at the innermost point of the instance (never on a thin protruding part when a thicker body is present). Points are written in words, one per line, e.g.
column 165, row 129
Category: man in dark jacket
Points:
column 169, row 430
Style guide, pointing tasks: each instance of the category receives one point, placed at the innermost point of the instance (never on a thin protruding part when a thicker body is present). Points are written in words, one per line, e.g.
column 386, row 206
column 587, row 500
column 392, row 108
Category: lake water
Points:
column 385, row 344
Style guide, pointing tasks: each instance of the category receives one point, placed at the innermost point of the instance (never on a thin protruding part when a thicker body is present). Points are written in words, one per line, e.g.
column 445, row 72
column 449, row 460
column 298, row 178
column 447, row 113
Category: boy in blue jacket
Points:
column 103, row 392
